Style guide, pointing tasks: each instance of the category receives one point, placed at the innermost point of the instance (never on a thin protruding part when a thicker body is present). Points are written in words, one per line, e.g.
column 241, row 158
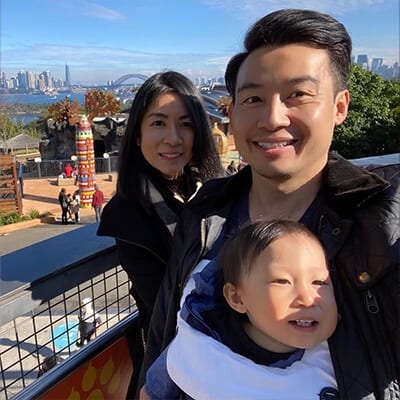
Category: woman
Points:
column 167, row 153
column 64, row 204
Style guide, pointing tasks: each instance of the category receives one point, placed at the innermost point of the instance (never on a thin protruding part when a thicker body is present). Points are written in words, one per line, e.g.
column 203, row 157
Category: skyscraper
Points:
column 362, row 60
column 67, row 76
column 376, row 64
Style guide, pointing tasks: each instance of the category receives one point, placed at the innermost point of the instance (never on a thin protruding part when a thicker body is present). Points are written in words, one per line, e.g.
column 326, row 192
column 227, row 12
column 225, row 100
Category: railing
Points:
column 41, row 289
column 47, row 168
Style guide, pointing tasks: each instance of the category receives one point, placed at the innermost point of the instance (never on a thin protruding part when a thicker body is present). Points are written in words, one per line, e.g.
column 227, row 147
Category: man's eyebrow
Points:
column 299, row 79
column 302, row 79
column 248, row 85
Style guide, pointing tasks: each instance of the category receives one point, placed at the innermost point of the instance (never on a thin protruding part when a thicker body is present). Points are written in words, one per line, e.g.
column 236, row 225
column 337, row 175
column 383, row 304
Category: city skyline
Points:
column 104, row 40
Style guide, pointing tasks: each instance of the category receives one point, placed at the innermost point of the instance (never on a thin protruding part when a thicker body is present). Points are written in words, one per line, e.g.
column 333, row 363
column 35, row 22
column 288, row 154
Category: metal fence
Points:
column 39, row 310
column 51, row 168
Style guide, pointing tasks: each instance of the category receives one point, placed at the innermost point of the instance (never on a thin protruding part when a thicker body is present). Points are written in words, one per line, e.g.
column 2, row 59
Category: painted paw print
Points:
column 97, row 386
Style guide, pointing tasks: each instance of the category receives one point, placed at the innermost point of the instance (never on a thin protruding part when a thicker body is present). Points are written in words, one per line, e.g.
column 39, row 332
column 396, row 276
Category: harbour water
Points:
column 39, row 99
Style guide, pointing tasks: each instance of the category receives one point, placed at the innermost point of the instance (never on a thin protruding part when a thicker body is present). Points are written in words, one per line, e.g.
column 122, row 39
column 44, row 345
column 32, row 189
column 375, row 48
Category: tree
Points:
column 373, row 118
column 99, row 103
column 7, row 128
column 65, row 112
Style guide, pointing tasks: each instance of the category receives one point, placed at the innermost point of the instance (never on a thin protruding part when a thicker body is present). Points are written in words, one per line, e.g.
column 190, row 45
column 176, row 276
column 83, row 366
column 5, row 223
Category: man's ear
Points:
column 233, row 298
column 341, row 106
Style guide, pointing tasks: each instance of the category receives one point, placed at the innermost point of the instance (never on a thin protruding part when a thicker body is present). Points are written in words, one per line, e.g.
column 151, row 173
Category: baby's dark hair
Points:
column 239, row 252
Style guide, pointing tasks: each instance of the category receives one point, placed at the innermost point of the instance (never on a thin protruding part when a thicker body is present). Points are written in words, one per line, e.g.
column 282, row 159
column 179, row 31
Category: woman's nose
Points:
column 172, row 136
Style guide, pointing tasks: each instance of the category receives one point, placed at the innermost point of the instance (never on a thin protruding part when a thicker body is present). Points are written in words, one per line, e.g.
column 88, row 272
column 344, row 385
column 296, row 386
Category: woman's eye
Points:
column 187, row 124
column 157, row 123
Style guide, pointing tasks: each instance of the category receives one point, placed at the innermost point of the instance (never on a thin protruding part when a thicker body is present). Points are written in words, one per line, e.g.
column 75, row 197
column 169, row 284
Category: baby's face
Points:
column 288, row 295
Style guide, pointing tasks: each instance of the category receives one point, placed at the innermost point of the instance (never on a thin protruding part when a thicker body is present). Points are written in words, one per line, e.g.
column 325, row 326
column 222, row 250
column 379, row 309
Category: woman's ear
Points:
column 233, row 298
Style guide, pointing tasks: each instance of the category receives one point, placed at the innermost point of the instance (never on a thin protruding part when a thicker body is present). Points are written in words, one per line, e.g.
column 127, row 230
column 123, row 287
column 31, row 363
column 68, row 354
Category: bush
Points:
column 14, row 217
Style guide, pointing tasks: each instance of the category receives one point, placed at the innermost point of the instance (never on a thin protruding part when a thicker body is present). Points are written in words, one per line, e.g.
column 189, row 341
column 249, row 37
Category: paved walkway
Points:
column 42, row 194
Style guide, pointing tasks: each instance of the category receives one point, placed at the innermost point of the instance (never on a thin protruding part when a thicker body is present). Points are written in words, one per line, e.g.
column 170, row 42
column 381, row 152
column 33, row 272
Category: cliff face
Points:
column 59, row 140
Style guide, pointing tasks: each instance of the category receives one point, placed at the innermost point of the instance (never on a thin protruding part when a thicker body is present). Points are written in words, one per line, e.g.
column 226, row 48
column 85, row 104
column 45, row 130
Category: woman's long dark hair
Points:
column 132, row 165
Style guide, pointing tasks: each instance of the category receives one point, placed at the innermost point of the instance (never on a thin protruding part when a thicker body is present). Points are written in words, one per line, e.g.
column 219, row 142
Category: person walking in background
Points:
column 63, row 200
column 278, row 311
column 289, row 92
column 75, row 205
column 167, row 153
column 21, row 178
column 97, row 202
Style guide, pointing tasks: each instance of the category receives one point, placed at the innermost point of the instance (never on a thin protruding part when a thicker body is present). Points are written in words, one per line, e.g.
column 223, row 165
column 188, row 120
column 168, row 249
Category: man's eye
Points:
column 297, row 94
column 251, row 99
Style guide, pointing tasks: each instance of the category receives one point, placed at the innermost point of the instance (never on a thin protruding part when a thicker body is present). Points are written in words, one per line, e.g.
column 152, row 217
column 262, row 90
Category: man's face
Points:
column 285, row 111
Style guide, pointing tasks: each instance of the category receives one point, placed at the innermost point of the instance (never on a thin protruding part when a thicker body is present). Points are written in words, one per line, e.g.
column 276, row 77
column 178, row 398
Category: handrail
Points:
column 56, row 374
column 37, row 273
column 41, row 289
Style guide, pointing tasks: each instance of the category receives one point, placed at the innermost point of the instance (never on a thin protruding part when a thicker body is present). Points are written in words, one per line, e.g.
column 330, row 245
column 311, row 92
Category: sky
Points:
column 102, row 40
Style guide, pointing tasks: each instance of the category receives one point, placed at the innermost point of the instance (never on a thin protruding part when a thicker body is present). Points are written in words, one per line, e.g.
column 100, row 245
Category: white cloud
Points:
column 98, row 11
column 250, row 10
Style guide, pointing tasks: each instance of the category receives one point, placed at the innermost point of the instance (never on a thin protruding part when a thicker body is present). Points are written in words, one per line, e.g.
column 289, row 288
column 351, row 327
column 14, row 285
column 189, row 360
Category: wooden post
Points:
column 10, row 195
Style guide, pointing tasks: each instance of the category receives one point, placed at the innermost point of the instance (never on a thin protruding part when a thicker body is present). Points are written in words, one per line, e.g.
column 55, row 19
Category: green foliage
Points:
column 33, row 213
column 7, row 127
column 14, row 217
column 10, row 218
column 373, row 122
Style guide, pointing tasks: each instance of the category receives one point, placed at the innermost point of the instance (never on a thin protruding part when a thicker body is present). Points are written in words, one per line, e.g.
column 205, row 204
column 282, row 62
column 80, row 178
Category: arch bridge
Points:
column 124, row 78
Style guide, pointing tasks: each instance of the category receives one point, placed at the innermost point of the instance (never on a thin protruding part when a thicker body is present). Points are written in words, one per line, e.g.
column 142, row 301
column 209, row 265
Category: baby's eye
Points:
column 319, row 282
column 281, row 281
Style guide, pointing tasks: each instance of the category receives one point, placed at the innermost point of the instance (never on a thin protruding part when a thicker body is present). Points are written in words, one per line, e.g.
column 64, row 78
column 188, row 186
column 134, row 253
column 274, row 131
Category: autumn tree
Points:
column 99, row 103
column 65, row 112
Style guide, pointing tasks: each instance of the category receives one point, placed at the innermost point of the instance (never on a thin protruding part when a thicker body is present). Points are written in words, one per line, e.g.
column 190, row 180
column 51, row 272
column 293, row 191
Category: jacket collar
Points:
column 345, row 185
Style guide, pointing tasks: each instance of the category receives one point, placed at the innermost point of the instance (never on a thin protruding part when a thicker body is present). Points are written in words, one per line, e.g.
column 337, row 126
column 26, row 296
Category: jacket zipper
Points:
column 196, row 261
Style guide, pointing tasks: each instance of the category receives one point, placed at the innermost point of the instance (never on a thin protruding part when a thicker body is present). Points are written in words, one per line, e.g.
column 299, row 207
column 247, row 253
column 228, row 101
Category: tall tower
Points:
column 362, row 60
column 67, row 76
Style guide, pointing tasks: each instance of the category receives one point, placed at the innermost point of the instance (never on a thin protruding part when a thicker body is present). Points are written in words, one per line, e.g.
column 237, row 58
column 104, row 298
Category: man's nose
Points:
column 274, row 115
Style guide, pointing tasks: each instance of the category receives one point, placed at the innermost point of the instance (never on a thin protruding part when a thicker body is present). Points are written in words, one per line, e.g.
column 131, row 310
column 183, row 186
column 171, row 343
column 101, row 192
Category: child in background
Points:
column 277, row 311
column 88, row 322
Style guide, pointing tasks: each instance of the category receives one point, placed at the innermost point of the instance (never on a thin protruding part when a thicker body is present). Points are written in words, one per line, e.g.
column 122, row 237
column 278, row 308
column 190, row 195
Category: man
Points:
column 288, row 91
column 97, row 202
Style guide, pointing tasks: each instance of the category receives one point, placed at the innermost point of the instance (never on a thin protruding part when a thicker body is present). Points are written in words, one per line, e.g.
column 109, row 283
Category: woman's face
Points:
column 167, row 135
